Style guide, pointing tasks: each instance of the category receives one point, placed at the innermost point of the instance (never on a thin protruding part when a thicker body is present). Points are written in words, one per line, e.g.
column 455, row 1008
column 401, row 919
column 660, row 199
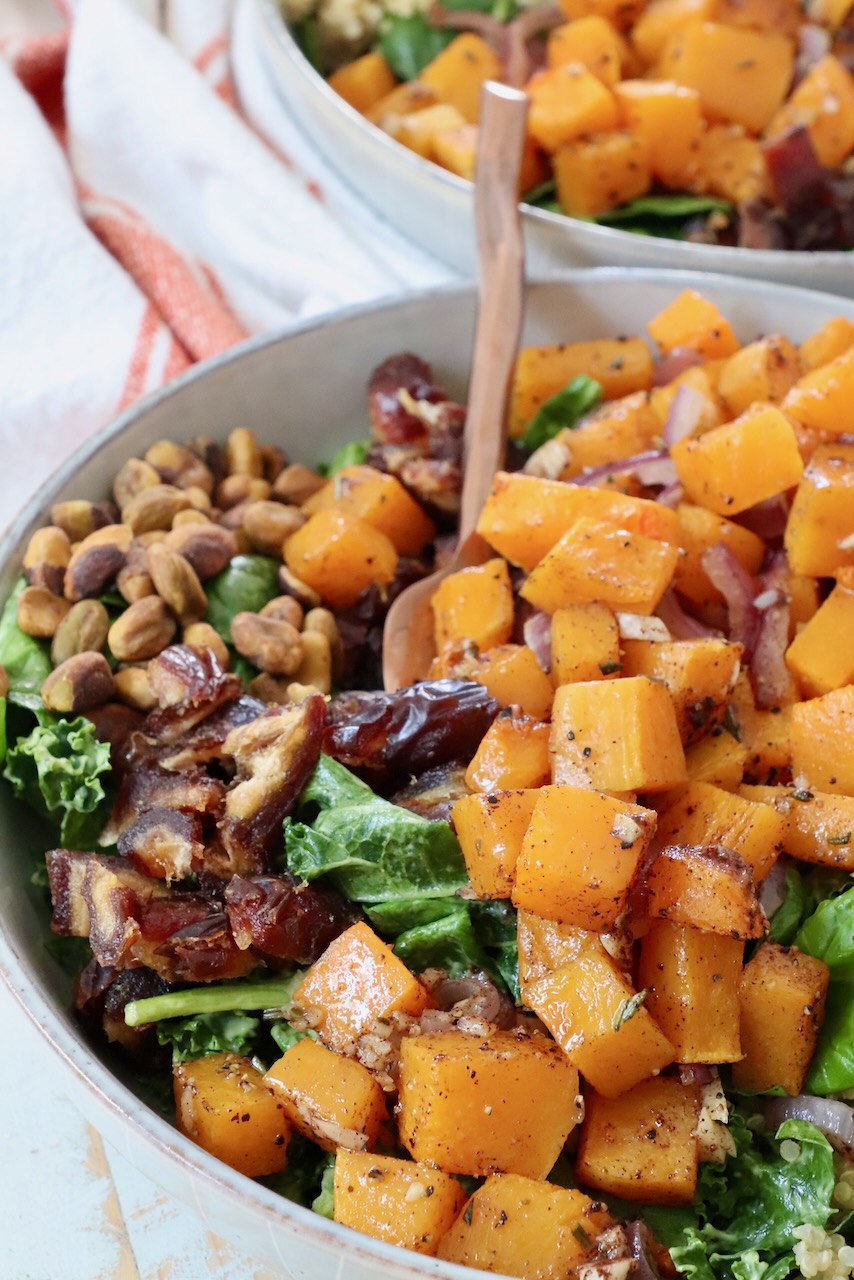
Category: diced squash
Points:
column 418, row 129
column 620, row 365
column 410, row 96
column 474, row 1106
column 595, row 561
column 662, row 19
column 600, row 1022
column 545, row 945
column 585, row 643
column 580, row 855
column 740, row 463
column 621, row 12
column 457, row 74
column 223, row 1104
column 731, row 164
column 490, row 829
column 690, row 320
column 835, row 12
column 699, row 675
column 719, row 759
column 380, row 499
column 332, row 1100
column 566, row 102
column 474, row 604
column 768, row 738
column 668, row 117
column 763, row 370
column 513, row 676
column 784, row 16
column 819, row 827
column 822, row 737
column 821, row 656
column 513, row 755
column 819, row 533
column 823, row 103
column 357, row 980
column 741, row 76
column 705, row 887
column 339, row 555
column 619, row 429
column 456, row 150
column 616, row 735
column 804, row 599
column 701, row 530
column 691, row 980
column 593, row 41
column 519, row 1227
column 363, row 82
column 833, row 339
column 600, row 171
column 704, row 814
column 524, row 516
column 643, row 1145
column 781, row 997
column 821, row 399
column 404, row 1203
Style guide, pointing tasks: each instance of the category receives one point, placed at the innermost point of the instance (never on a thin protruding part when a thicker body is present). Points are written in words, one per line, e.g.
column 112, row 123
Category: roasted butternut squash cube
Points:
column 731, row 165
column 474, row 604
column 224, row 1105
column 417, row 130
column 699, row 675
column 404, row 1203
column 784, row 16
column 643, row 1145
column 332, row 1100
column 763, row 370
column 719, row 760
column 580, row 855
column 619, row 429
column 545, row 945
column 821, row 656
column 768, row 738
column 706, row 887
column 595, row 561
column 619, row 365
column 616, row 735
column 701, row 530
column 834, row 338
column 357, row 980
column 339, row 555
column 621, row 12
column 819, row 535
column 594, row 42
column 513, row 755
column 456, row 150
column 363, row 82
column 705, row 814
column 822, row 103
column 600, row 1022
column 519, row 1227
column 525, row 516
column 690, row 320
column 781, row 997
column 600, row 171
column 741, row 76
column 410, row 96
column 822, row 739
column 513, row 676
column 667, row 116
column 490, row 829
column 475, row 1106
column 662, row 19
column 691, row 980
column 819, row 827
column 457, row 74
column 585, row 643
column 818, row 399
column 380, row 499
column 568, row 101
column 740, row 463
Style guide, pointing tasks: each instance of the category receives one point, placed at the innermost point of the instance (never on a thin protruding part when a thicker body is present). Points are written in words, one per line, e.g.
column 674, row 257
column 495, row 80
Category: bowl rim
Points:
column 107, row 1089
column 683, row 251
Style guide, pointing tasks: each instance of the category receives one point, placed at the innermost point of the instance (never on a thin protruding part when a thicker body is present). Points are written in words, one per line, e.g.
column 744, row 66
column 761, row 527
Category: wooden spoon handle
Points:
column 501, row 137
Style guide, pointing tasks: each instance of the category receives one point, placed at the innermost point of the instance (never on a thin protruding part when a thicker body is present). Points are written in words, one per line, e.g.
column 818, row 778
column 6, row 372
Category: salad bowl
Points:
column 432, row 206
column 304, row 391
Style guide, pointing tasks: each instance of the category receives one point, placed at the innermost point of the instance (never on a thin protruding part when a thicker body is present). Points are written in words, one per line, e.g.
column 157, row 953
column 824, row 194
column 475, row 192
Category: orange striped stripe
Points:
column 141, row 355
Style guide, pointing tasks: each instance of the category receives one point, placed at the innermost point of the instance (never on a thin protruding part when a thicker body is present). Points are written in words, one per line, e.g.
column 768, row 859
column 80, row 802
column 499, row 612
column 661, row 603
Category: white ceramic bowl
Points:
column 433, row 206
column 305, row 390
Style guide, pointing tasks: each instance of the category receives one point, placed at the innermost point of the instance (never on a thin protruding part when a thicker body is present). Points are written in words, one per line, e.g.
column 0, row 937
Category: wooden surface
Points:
column 71, row 1208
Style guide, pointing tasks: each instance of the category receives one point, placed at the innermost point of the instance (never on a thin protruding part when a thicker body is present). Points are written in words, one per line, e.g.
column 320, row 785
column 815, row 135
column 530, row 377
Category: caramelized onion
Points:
column 834, row 1119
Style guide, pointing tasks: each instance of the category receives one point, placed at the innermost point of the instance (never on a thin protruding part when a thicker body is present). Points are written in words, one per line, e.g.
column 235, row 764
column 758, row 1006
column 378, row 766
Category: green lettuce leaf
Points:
column 303, row 1180
column 209, row 1033
column 664, row 206
column 349, row 455
column 408, row 44
column 324, row 1201
column 57, row 770
column 285, row 1036
column 25, row 660
column 828, row 934
column 564, row 409
column 246, row 584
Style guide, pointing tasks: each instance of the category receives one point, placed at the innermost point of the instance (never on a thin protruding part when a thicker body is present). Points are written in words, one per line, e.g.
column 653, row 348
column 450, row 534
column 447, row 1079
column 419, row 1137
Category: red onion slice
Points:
column 834, row 1119
column 813, row 45
column 769, row 675
column 681, row 625
column 696, row 1073
column 637, row 626
column 767, row 519
column 537, row 633
column 728, row 575
column 684, row 415
column 518, row 62
column 773, row 888
column 489, row 28
column 674, row 364
column 652, row 463
column 671, row 495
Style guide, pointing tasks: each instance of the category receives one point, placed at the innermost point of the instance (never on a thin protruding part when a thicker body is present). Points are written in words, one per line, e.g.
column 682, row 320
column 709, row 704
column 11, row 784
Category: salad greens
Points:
column 662, row 214
column 190, row 1038
column 564, row 409
column 409, row 43
column 25, row 660
column 828, row 934
column 245, row 585
column 58, row 770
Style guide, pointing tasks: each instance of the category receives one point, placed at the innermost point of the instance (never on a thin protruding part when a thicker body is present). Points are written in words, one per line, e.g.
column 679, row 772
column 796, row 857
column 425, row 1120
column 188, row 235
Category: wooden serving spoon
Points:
column 408, row 645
